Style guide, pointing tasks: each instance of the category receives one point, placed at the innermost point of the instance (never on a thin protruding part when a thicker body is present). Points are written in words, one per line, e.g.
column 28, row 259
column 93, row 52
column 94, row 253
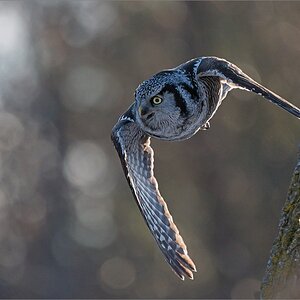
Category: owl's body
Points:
column 187, row 99
column 173, row 105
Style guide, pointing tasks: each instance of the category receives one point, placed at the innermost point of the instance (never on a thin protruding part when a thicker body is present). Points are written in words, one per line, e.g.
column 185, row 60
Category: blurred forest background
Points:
column 69, row 226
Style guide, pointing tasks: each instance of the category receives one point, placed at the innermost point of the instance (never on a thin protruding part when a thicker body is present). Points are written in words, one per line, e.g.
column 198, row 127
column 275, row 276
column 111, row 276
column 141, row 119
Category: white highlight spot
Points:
column 117, row 273
column 85, row 164
column 12, row 31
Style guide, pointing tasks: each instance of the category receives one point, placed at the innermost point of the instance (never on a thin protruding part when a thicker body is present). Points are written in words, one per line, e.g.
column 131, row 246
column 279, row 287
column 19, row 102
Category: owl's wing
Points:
column 136, row 156
column 234, row 77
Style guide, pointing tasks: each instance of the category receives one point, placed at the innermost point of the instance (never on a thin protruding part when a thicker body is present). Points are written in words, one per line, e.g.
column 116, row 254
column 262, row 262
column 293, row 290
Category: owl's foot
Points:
column 205, row 126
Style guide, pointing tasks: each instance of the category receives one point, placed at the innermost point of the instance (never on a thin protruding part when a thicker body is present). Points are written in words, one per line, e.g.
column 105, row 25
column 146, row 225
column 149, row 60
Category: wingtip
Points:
column 189, row 273
column 193, row 267
column 186, row 261
column 181, row 271
column 181, row 277
column 186, row 271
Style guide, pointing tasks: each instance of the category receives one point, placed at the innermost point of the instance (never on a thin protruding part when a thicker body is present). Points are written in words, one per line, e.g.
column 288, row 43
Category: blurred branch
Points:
column 282, row 276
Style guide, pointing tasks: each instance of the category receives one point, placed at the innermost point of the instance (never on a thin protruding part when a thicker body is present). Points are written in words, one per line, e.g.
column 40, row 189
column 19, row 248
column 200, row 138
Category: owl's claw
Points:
column 205, row 126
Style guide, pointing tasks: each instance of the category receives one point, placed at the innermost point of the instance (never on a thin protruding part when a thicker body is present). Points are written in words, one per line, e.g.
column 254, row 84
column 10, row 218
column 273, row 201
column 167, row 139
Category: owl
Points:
column 173, row 105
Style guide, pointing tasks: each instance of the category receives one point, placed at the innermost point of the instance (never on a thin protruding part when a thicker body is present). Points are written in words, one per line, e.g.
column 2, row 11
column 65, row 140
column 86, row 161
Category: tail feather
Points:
column 251, row 85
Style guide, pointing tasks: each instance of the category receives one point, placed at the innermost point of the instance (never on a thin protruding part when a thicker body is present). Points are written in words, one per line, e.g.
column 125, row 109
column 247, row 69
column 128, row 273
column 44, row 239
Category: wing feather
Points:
column 137, row 158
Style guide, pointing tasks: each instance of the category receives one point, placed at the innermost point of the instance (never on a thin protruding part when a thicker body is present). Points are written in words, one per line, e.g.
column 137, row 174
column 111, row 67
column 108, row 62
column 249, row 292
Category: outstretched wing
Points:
column 234, row 77
column 136, row 156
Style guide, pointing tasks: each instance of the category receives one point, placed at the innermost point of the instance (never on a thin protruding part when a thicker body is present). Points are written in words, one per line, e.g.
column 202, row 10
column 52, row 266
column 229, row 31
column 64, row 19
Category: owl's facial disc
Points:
column 158, row 114
column 146, row 112
column 163, row 108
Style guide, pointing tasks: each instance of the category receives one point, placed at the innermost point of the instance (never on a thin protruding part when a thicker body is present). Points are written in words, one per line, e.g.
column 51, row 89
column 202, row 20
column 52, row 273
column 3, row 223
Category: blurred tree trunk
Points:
column 282, row 276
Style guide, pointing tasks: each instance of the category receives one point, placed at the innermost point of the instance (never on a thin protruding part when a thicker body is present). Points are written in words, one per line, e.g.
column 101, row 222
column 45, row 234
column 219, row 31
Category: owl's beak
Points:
column 140, row 110
column 145, row 112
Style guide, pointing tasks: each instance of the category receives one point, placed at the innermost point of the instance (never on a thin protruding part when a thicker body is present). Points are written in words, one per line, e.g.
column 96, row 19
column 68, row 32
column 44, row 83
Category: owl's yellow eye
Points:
column 156, row 100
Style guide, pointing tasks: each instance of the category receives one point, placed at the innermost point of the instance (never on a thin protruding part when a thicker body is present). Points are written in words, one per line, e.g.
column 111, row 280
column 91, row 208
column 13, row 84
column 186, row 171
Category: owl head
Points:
column 164, row 104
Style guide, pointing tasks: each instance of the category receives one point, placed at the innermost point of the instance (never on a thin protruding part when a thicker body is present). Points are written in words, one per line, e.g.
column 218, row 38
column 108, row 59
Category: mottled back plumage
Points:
column 173, row 105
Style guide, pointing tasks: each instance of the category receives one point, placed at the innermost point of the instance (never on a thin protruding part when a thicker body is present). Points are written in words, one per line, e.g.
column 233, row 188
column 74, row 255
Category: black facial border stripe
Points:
column 179, row 100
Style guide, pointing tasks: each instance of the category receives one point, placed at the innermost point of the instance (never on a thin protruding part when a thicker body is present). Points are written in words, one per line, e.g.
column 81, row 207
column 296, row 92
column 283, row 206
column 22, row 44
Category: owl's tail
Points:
column 251, row 85
column 236, row 78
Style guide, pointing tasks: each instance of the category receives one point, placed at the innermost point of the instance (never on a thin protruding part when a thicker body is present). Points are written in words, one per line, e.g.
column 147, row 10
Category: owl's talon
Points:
column 205, row 126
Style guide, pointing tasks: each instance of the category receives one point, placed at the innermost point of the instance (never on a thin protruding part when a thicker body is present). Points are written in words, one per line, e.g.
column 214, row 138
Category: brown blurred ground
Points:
column 69, row 226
